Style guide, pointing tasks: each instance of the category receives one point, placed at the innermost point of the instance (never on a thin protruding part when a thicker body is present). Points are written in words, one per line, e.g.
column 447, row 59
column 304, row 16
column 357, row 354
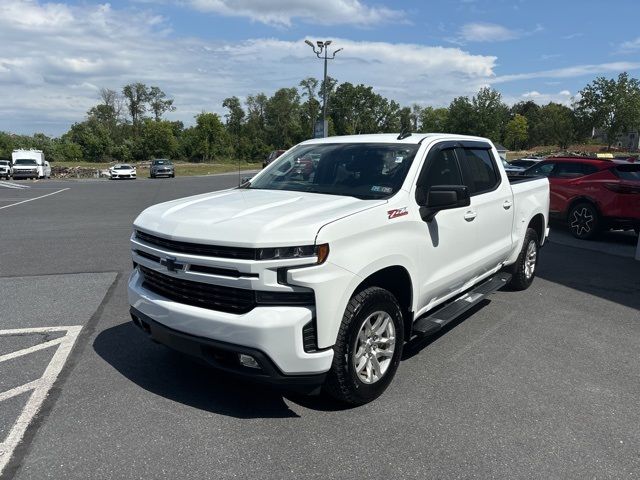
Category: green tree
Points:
column 159, row 103
column 611, row 105
column 490, row 114
column 516, row 132
column 434, row 119
column 136, row 96
column 210, row 137
column 282, row 118
column 311, row 108
column 158, row 140
column 461, row 117
column 555, row 125
column 93, row 139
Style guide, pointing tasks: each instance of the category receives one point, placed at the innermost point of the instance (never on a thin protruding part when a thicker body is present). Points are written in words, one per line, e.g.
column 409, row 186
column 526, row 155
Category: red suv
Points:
column 591, row 194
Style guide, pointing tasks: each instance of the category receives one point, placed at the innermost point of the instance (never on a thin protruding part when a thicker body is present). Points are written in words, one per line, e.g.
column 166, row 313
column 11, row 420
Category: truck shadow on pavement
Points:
column 613, row 278
column 177, row 377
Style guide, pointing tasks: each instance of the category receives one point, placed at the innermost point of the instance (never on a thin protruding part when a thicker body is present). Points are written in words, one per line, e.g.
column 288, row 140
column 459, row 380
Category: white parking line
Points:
column 32, row 199
column 40, row 386
column 13, row 185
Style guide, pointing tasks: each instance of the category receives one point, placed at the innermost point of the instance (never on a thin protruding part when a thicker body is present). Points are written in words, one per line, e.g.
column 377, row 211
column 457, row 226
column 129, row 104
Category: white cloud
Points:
column 486, row 32
column 630, row 46
column 50, row 73
column 563, row 97
column 572, row 71
column 282, row 12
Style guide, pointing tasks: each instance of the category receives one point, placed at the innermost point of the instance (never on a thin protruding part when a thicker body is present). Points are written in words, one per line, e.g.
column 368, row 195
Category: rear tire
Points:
column 524, row 269
column 584, row 221
column 368, row 347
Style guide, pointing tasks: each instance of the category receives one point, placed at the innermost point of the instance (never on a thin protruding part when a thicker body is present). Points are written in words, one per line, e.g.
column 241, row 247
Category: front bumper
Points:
column 223, row 356
column 273, row 332
column 25, row 174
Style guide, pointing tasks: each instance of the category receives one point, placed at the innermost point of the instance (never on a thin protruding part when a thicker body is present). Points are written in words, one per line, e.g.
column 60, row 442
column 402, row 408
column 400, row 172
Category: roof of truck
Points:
column 414, row 138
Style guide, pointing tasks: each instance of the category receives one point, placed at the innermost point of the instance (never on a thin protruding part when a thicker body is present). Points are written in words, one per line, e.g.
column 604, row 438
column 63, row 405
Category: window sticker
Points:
column 377, row 188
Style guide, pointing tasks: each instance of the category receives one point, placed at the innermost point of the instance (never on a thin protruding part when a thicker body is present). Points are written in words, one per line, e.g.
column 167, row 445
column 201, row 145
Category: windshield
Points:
column 25, row 161
column 161, row 162
column 122, row 167
column 4, row 162
column 362, row 170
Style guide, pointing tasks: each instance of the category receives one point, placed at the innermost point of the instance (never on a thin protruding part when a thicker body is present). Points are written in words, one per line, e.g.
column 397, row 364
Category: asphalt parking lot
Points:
column 536, row 384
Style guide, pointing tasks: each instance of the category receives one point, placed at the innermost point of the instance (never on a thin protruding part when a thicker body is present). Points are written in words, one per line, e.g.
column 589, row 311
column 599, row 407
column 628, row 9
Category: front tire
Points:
column 584, row 221
column 368, row 347
column 523, row 271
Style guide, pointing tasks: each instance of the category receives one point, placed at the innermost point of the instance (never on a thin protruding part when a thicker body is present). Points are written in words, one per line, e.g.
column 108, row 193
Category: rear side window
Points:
column 628, row 172
column 573, row 169
column 479, row 170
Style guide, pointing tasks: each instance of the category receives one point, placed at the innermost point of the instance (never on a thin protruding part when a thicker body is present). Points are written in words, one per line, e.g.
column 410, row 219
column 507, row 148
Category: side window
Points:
column 440, row 168
column 573, row 170
column 479, row 170
column 543, row 169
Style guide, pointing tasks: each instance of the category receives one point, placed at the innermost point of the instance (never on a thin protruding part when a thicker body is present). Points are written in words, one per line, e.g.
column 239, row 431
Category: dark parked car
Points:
column 162, row 168
column 272, row 156
column 592, row 195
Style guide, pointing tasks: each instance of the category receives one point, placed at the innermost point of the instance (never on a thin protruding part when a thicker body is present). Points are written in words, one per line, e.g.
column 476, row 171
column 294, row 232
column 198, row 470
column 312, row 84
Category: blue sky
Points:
column 55, row 56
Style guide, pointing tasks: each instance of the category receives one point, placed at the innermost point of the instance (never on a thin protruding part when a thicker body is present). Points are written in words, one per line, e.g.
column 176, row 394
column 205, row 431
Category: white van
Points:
column 30, row 164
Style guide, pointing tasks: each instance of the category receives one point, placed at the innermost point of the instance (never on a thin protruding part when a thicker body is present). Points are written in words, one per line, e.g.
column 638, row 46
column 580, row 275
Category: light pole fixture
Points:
column 322, row 52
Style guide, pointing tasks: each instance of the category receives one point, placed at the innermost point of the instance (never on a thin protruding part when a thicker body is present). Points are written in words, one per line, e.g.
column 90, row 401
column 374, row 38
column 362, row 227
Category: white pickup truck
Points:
column 319, row 269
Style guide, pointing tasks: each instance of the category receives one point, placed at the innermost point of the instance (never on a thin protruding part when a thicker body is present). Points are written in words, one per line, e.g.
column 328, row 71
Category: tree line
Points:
column 129, row 125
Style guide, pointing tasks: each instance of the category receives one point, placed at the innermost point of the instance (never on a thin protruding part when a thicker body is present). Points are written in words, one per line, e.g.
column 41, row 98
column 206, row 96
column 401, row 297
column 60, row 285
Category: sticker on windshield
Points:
column 377, row 188
column 397, row 212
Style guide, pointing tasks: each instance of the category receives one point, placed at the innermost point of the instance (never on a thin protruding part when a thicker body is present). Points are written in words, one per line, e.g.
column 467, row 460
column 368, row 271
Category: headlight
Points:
column 320, row 251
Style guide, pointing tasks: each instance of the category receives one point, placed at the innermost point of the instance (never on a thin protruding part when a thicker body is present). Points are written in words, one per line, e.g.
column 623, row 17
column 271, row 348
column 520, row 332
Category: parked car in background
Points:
column 162, row 167
column 29, row 164
column 591, row 194
column 526, row 162
column 512, row 169
column 5, row 169
column 272, row 156
column 122, row 170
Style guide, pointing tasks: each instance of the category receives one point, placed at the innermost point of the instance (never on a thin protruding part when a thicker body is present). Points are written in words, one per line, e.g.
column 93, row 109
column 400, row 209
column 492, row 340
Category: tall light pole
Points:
column 322, row 52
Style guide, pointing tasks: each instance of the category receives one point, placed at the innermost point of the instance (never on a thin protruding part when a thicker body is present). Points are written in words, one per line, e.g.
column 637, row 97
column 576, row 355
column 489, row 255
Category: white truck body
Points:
column 441, row 258
column 30, row 164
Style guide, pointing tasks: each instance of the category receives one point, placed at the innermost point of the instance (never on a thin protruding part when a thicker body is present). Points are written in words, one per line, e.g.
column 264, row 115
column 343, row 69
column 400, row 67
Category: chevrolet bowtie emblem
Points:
column 171, row 264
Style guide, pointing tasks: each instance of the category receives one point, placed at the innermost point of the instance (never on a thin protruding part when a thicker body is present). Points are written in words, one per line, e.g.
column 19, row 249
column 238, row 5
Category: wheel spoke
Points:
column 376, row 366
column 379, row 320
column 363, row 362
column 384, row 353
column 383, row 327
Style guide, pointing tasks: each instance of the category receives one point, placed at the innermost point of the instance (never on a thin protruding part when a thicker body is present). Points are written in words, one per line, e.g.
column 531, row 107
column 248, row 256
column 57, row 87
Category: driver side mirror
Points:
column 441, row 197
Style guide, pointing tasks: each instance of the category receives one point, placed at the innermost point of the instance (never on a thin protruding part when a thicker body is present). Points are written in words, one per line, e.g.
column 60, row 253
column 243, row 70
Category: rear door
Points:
column 491, row 204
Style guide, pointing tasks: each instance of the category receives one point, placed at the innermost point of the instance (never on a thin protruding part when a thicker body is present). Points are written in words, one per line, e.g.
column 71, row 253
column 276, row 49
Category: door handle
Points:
column 507, row 204
column 470, row 216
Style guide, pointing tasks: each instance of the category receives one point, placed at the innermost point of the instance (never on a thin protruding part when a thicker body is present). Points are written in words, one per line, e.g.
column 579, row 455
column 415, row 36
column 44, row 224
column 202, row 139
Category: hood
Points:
column 249, row 218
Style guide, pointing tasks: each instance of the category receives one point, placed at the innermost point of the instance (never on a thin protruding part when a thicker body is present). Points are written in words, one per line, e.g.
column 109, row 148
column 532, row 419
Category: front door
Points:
column 450, row 238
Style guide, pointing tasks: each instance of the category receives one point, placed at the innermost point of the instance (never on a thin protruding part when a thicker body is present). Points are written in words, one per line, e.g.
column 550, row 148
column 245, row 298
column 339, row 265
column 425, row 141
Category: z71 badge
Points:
column 397, row 212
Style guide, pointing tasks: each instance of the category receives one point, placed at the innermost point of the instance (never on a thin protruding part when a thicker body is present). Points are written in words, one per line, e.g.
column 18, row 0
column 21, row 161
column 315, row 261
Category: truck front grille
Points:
column 216, row 297
column 205, row 295
column 198, row 249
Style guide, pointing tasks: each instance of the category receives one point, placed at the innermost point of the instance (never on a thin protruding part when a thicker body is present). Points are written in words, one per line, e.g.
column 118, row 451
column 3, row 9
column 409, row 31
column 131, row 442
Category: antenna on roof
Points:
column 404, row 134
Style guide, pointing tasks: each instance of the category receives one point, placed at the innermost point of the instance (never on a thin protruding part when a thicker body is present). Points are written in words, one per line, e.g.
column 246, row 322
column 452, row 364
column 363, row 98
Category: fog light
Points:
column 248, row 361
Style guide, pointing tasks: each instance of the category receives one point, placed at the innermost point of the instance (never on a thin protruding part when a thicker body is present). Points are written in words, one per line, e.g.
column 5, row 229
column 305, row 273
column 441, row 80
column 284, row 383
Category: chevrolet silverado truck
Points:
column 318, row 281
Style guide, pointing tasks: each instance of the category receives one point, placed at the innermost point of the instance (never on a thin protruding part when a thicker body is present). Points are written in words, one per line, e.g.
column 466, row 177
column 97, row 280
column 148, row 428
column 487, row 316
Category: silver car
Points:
column 162, row 168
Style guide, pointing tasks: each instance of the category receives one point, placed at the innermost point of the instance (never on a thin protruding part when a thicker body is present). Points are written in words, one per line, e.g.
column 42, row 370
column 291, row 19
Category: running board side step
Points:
column 438, row 319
